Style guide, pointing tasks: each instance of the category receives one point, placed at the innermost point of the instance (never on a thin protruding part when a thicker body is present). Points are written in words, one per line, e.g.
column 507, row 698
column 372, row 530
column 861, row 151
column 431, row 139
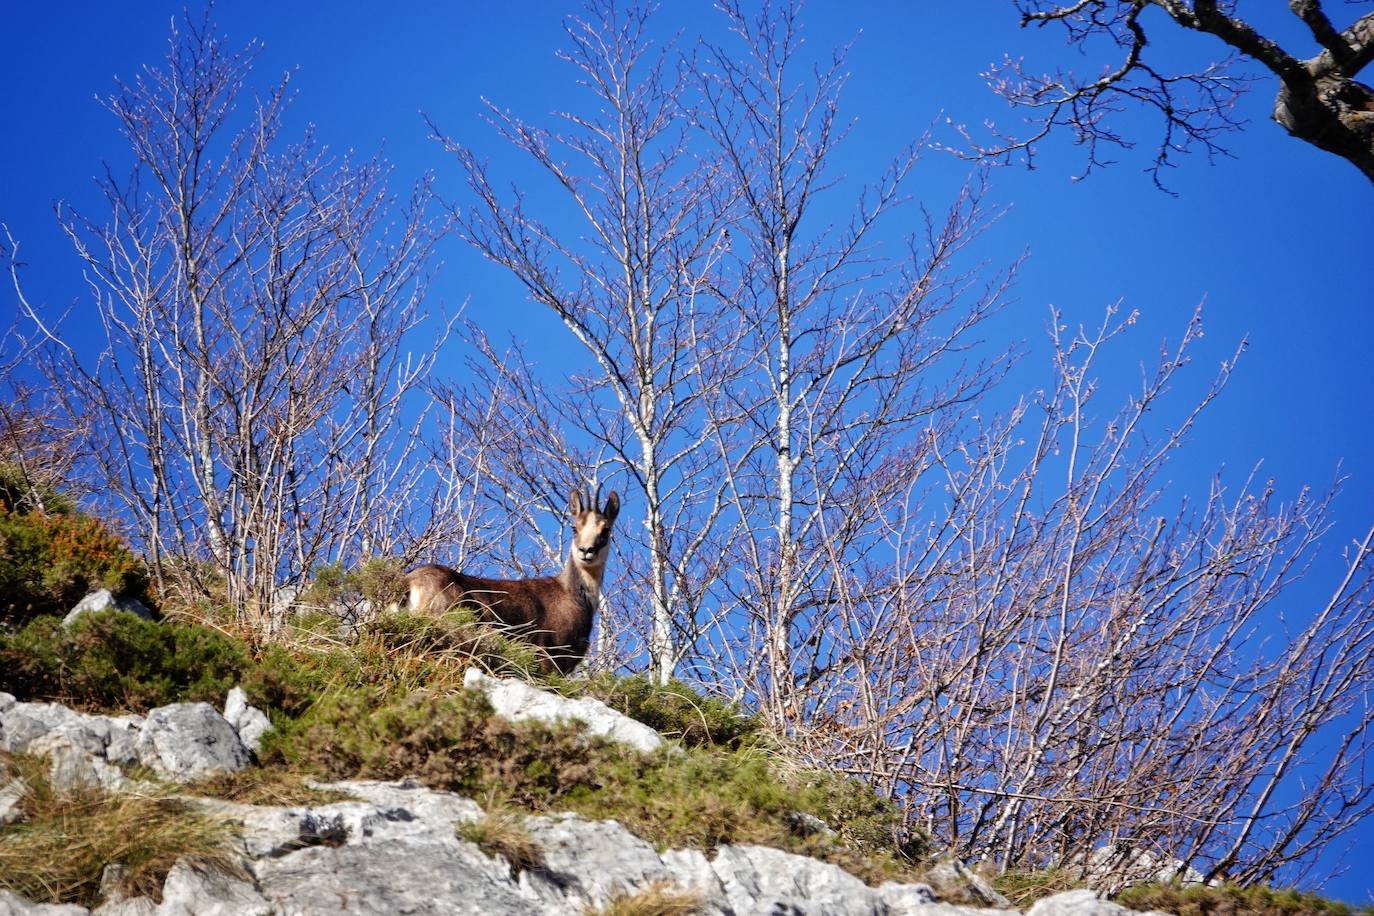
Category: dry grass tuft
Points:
column 503, row 833
column 661, row 898
column 265, row 786
column 59, row 850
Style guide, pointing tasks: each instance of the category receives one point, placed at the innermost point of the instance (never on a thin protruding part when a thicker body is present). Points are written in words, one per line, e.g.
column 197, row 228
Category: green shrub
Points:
column 50, row 562
column 1232, row 900
column 117, row 661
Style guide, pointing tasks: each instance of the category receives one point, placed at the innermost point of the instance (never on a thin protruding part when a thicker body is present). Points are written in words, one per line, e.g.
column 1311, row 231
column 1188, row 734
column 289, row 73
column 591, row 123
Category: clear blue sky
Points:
column 1277, row 242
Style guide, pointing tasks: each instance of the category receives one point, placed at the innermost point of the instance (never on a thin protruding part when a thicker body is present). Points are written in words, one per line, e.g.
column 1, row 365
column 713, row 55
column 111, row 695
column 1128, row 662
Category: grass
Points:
column 265, row 786
column 502, row 832
column 661, row 898
column 59, row 850
column 1232, row 900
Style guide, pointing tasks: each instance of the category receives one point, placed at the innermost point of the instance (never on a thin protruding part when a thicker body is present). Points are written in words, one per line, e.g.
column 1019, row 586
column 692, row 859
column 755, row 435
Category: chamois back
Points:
column 552, row 613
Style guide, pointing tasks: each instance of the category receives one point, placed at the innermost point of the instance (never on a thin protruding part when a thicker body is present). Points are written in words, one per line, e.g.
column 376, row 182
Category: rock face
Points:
column 515, row 700
column 104, row 600
column 396, row 850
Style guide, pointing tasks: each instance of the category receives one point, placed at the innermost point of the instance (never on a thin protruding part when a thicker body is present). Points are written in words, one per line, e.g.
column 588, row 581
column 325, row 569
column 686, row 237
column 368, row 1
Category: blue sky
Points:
column 1277, row 242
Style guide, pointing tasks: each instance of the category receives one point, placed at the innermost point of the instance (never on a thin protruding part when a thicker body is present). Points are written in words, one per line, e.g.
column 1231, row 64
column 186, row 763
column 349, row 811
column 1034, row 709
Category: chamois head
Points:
column 592, row 528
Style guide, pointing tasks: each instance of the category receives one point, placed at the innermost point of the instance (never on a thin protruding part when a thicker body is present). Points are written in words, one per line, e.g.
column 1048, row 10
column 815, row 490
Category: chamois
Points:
column 553, row 613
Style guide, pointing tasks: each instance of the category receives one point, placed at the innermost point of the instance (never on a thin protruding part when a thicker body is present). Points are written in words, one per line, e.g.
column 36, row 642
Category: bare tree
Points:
column 36, row 445
column 1069, row 667
column 629, row 283
column 1319, row 100
column 252, row 408
column 853, row 347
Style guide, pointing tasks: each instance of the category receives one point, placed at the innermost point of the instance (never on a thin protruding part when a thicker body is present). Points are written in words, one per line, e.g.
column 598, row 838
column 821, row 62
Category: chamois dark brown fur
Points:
column 553, row 613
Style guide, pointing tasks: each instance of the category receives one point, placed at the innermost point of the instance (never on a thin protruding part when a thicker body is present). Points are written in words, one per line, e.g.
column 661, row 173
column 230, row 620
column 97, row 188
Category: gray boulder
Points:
column 587, row 864
column 251, row 723
column 951, row 878
column 398, row 876
column 76, row 761
column 132, row 906
column 515, row 700
column 905, row 898
column 190, row 891
column 104, row 600
column 1081, row 902
column 85, row 749
column 758, row 879
column 186, row 741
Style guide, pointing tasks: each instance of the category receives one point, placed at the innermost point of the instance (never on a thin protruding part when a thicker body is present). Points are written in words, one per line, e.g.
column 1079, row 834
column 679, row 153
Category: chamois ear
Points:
column 612, row 506
column 575, row 507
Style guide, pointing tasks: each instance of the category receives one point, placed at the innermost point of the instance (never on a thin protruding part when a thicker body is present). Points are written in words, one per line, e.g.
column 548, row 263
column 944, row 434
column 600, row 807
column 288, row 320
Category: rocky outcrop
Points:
column 181, row 742
column 82, row 749
column 398, row 847
column 187, row 741
column 515, row 700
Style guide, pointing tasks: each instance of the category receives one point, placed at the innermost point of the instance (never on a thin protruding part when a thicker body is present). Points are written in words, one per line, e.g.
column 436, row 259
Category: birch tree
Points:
column 250, row 411
column 857, row 345
column 630, row 281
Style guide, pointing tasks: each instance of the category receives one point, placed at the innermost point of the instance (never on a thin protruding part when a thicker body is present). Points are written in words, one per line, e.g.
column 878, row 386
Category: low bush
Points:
column 378, row 581
column 119, row 662
column 50, row 562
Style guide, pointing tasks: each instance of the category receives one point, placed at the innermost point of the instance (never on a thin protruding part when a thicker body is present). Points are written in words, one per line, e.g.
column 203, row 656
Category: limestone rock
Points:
column 398, row 877
column 1120, row 864
column 14, row 905
column 905, row 898
column 76, row 761
column 588, row 862
column 190, row 891
column 515, row 700
column 12, row 792
column 1081, row 902
column 6, row 700
column 186, row 741
column 758, row 879
column 251, row 723
column 84, row 749
column 953, row 879
column 104, row 600
column 133, row 906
